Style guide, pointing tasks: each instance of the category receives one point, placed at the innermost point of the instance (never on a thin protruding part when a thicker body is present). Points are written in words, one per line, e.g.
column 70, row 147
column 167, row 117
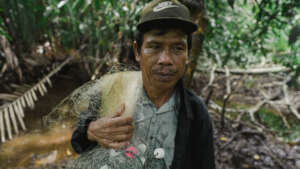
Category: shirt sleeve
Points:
column 79, row 140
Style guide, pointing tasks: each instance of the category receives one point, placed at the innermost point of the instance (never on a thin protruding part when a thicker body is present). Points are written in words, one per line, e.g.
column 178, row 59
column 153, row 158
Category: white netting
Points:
column 144, row 157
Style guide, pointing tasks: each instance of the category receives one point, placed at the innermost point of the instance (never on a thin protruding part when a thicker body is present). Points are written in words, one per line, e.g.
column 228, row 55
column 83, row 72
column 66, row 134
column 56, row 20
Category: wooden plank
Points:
column 28, row 100
column 19, row 116
column 41, row 90
column 20, row 108
column 49, row 82
column 7, row 123
column 31, row 99
column 44, row 87
column 13, row 118
column 2, row 126
column 23, row 102
column 34, row 95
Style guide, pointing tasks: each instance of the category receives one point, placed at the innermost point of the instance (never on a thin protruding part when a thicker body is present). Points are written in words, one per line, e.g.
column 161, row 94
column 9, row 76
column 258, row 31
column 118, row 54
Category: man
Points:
column 171, row 117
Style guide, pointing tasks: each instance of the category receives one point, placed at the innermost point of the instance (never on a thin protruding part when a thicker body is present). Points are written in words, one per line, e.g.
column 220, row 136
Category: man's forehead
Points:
column 172, row 31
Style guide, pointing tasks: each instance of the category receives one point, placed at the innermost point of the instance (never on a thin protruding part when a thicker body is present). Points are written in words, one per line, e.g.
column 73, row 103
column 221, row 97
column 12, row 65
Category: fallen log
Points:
column 254, row 71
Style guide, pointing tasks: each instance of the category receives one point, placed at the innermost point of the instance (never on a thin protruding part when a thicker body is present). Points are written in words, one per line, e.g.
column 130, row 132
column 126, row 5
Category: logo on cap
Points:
column 164, row 5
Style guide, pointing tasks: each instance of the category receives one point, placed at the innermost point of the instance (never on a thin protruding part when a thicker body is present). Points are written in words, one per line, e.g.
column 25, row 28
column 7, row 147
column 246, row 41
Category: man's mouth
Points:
column 165, row 76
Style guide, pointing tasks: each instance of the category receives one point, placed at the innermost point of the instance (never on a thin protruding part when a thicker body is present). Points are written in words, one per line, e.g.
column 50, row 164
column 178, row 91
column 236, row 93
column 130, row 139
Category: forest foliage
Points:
column 239, row 32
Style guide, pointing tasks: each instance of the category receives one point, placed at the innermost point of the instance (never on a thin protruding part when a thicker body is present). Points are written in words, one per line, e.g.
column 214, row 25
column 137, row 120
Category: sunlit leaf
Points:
column 61, row 3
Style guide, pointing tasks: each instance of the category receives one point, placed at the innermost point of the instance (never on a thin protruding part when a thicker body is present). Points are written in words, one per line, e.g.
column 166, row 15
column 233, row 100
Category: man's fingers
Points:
column 105, row 142
column 115, row 137
column 122, row 137
column 122, row 130
column 113, row 133
column 119, row 121
column 118, row 145
column 91, row 136
column 112, row 144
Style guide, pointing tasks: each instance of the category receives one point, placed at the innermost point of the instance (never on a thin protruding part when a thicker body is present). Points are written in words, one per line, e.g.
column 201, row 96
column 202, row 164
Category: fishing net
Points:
column 133, row 157
column 100, row 98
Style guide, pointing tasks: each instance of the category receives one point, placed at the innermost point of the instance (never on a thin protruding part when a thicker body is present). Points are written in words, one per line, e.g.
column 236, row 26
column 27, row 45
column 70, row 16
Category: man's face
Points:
column 162, row 57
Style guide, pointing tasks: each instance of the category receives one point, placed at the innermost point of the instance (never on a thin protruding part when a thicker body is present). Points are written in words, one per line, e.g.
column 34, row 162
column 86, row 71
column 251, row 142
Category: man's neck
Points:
column 158, row 96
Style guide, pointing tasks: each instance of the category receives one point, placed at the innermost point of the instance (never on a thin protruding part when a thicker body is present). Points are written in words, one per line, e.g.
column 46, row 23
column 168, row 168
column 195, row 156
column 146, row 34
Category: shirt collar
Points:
column 166, row 107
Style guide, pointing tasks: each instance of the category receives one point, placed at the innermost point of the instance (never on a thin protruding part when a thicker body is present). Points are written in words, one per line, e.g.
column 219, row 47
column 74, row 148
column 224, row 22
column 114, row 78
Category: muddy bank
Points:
column 38, row 149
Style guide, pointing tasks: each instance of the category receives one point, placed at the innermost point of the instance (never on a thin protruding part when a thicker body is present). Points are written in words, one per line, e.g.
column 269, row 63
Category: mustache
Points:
column 164, row 70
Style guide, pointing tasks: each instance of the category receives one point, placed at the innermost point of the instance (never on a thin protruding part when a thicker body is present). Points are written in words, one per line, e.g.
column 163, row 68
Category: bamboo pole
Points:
column 13, row 119
column 2, row 126
column 7, row 122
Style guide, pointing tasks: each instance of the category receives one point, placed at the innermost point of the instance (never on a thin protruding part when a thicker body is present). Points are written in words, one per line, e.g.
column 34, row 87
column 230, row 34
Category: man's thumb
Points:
column 120, row 111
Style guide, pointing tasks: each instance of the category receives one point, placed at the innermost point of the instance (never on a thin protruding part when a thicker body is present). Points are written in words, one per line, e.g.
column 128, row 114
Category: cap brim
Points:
column 185, row 25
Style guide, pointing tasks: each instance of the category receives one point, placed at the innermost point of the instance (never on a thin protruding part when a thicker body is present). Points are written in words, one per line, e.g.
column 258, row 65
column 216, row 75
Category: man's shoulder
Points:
column 193, row 97
column 197, row 105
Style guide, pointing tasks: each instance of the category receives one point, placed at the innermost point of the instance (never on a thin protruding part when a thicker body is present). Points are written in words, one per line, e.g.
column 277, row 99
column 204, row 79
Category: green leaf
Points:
column 97, row 4
column 294, row 34
column 231, row 3
column 114, row 3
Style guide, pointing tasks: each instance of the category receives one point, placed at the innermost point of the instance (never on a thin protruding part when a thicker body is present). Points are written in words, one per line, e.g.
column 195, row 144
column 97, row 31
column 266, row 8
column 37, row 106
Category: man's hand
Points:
column 112, row 131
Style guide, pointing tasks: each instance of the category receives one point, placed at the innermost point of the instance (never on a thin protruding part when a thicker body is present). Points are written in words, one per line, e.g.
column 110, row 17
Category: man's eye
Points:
column 154, row 46
column 179, row 48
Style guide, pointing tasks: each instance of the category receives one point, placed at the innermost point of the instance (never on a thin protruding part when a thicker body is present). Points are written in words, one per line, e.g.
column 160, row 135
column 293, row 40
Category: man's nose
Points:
column 165, row 58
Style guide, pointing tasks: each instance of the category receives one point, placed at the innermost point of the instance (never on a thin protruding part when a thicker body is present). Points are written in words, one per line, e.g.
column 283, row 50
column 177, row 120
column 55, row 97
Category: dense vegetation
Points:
column 239, row 32
column 40, row 37
column 246, row 33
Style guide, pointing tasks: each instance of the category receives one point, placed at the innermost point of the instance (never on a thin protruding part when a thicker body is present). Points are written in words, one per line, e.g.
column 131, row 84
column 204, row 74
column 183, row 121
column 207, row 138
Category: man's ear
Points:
column 136, row 53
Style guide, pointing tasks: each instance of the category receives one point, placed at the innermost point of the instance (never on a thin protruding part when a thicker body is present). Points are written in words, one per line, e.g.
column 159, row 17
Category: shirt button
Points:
column 159, row 153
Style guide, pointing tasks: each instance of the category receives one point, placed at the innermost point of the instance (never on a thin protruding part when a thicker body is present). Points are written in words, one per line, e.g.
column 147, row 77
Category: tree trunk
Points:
column 198, row 14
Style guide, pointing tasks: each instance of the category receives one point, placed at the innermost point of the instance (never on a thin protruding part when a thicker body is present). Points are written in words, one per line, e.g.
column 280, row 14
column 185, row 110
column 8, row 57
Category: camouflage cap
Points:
column 166, row 13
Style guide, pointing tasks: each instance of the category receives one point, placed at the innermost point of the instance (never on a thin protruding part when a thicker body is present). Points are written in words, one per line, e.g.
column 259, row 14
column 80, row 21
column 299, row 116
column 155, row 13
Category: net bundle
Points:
column 101, row 98
column 133, row 157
